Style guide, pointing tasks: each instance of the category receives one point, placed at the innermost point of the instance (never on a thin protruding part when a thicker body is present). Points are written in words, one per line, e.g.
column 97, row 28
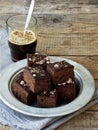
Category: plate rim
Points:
column 52, row 112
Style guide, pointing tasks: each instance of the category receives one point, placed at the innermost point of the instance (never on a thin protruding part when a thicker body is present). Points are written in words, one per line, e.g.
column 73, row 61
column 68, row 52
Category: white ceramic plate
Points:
column 83, row 77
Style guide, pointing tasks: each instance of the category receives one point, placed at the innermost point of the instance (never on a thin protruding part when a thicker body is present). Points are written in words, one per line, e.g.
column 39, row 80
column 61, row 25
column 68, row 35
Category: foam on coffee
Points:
column 18, row 37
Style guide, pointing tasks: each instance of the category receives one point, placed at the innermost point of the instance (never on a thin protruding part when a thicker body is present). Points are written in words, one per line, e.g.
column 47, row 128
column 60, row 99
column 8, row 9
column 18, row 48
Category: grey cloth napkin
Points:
column 19, row 121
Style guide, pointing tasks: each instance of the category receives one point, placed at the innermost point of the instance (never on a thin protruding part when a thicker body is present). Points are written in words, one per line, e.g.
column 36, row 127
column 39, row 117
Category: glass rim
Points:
column 7, row 21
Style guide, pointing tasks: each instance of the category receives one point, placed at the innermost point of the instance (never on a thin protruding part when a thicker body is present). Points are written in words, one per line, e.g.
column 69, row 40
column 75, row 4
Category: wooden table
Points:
column 77, row 21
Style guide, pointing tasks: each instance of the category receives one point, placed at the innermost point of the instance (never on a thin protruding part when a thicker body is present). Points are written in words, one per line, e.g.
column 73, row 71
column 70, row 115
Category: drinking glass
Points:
column 19, row 43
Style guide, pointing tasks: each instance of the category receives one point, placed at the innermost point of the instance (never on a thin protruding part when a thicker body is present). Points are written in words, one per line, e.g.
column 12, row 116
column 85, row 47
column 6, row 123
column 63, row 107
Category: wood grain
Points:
column 68, row 44
column 76, row 25
column 96, row 81
column 50, row 6
column 68, row 35
column 85, row 121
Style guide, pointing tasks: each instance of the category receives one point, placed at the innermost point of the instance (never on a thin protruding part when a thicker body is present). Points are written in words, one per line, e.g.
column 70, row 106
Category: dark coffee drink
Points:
column 21, row 44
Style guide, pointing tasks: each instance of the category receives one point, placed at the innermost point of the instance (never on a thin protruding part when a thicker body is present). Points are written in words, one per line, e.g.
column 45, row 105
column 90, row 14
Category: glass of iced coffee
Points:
column 21, row 43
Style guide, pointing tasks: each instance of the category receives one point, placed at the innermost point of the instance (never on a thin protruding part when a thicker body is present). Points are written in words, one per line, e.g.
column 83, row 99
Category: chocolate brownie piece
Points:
column 47, row 99
column 66, row 90
column 37, row 59
column 21, row 91
column 60, row 71
column 37, row 79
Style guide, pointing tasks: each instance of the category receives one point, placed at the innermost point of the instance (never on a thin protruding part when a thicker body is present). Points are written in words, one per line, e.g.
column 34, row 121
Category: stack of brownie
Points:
column 45, row 82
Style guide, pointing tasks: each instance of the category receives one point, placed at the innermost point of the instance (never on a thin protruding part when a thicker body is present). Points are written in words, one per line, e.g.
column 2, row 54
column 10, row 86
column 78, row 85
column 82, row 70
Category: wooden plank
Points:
column 65, row 23
column 70, row 1
column 85, row 121
column 66, row 1
column 67, row 35
column 96, row 81
column 68, row 44
column 94, row 108
column 50, row 6
column 93, row 2
column 73, row 23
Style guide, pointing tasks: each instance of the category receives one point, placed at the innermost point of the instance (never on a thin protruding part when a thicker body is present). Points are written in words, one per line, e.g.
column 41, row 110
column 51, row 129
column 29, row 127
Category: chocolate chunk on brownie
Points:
column 60, row 71
column 37, row 79
column 47, row 99
column 21, row 91
column 66, row 90
column 37, row 59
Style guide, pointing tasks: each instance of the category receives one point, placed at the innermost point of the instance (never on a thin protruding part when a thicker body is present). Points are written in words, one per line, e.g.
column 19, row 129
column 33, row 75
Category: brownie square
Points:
column 37, row 59
column 47, row 99
column 66, row 90
column 37, row 79
column 22, row 93
column 60, row 71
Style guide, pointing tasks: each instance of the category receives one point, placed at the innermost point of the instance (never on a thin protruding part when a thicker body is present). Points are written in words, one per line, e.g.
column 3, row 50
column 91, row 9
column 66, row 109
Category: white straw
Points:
column 29, row 15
